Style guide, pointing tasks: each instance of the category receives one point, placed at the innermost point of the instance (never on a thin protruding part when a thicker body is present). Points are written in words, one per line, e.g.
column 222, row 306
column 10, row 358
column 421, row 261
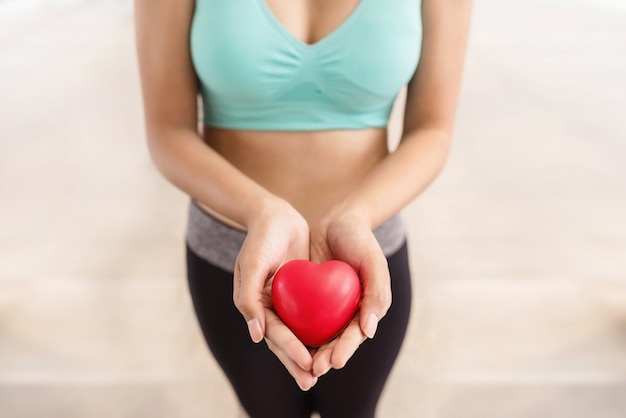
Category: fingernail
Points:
column 306, row 388
column 254, row 328
column 371, row 323
column 323, row 372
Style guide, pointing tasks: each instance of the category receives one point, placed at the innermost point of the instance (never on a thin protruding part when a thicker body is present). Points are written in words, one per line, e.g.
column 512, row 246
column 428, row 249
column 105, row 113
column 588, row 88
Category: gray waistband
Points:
column 219, row 243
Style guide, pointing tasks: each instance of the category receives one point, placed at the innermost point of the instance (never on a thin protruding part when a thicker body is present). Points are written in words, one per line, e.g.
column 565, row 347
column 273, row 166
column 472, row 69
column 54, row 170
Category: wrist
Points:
column 352, row 211
column 268, row 205
column 257, row 205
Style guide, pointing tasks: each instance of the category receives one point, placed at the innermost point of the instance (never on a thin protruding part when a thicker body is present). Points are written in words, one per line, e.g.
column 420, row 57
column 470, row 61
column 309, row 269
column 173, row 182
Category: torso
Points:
column 311, row 170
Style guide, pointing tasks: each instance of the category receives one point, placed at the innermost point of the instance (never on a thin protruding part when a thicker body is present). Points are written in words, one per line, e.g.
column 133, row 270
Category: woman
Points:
column 292, row 162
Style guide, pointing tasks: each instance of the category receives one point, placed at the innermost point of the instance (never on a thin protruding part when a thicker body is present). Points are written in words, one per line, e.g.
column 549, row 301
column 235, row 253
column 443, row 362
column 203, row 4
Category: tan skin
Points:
column 296, row 195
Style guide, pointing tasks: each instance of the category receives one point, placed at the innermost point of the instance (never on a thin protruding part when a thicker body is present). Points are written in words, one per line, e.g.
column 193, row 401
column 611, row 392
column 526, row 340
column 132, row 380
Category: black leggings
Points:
column 262, row 383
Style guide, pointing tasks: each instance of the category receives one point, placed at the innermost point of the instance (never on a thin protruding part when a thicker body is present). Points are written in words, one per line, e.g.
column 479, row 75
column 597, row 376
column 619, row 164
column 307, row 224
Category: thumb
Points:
column 247, row 299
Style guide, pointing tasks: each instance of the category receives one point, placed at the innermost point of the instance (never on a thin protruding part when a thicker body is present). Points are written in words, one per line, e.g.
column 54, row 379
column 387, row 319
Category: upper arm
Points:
column 432, row 93
column 167, row 76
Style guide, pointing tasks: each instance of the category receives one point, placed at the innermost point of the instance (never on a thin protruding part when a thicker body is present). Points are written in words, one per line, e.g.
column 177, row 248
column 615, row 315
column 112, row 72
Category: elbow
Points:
column 154, row 142
column 159, row 144
column 173, row 149
column 440, row 137
column 433, row 143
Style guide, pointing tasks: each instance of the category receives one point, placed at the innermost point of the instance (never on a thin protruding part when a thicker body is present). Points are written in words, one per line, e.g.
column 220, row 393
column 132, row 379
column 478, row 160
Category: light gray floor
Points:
column 518, row 249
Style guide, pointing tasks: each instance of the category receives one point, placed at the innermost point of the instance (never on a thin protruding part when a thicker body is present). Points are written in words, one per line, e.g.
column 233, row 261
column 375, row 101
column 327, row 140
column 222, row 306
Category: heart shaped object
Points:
column 316, row 301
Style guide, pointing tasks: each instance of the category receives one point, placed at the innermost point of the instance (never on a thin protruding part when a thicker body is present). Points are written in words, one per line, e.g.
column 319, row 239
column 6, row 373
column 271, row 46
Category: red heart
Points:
column 316, row 301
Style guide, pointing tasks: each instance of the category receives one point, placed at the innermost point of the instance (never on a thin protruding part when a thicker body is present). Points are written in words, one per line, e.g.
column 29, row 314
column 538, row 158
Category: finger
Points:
column 303, row 378
column 247, row 293
column 290, row 351
column 376, row 298
column 321, row 359
column 282, row 338
column 347, row 344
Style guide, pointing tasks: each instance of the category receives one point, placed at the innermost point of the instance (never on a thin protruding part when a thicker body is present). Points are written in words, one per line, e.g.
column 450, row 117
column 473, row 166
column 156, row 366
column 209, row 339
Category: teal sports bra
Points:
column 254, row 74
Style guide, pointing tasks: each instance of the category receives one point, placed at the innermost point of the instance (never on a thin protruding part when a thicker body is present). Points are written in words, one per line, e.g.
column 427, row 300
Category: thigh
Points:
column 354, row 391
column 261, row 382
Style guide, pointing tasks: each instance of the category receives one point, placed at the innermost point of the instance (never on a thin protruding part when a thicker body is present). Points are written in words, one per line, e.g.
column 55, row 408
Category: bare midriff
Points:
column 313, row 171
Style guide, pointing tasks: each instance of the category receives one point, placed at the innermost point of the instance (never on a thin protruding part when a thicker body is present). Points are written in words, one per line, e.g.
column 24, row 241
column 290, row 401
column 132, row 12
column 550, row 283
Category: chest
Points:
column 359, row 51
column 311, row 20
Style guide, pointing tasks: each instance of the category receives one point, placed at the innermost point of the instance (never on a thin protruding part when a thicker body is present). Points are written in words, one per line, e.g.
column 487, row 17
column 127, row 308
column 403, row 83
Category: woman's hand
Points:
column 347, row 237
column 277, row 234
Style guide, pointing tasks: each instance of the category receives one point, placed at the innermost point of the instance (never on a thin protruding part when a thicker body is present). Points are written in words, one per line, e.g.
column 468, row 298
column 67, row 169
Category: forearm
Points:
column 199, row 171
column 399, row 178
column 431, row 102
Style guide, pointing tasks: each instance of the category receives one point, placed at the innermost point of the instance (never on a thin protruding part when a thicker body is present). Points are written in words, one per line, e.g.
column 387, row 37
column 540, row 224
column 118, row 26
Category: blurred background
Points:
column 518, row 250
